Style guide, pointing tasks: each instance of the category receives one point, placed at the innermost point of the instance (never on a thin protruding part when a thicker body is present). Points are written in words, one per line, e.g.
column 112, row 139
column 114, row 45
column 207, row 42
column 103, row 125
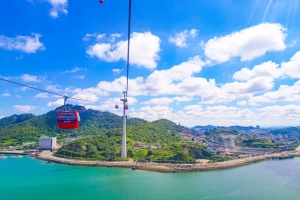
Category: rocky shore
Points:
column 47, row 155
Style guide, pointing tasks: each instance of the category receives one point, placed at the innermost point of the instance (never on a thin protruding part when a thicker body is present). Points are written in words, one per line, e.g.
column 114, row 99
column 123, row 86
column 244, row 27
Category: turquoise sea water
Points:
column 29, row 178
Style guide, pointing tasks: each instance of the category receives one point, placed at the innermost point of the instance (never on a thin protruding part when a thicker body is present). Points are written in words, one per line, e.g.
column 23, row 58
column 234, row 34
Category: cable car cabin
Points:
column 68, row 119
column 116, row 106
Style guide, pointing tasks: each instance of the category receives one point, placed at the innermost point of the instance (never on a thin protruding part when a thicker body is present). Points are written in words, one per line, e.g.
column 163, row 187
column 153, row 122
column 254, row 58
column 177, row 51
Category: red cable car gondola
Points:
column 116, row 106
column 68, row 119
column 101, row 1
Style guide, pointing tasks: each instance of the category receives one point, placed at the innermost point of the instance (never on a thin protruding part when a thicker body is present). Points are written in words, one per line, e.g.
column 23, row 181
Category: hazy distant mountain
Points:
column 15, row 119
column 290, row 131
column 208, row 127
column 241, row 128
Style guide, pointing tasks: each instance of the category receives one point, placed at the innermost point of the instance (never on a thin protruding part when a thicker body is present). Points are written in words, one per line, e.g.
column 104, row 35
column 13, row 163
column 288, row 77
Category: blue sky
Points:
column 219, row 62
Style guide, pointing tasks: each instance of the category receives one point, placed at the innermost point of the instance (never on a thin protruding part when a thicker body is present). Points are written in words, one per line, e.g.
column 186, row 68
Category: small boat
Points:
column 3, row 157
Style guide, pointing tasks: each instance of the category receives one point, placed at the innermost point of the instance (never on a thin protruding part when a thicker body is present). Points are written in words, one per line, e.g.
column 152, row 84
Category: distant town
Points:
column 238, row 141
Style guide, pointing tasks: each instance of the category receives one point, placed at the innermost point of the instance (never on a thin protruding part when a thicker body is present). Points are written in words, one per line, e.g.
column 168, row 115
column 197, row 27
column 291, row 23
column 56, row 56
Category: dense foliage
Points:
column 100, row 137
column 158, row 141
column 15, row 132
column 255, row 142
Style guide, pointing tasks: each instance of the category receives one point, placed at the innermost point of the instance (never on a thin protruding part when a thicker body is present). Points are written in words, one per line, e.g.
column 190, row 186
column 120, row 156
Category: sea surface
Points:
column 29, row 178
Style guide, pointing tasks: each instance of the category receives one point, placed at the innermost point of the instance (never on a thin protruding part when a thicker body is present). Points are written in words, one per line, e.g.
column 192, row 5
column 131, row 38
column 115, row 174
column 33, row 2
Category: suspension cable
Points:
column 61, row 95
column 129, row 17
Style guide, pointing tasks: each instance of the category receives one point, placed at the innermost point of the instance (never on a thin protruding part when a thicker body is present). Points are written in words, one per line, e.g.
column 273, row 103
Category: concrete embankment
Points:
column 15, row 152
column 166, row 167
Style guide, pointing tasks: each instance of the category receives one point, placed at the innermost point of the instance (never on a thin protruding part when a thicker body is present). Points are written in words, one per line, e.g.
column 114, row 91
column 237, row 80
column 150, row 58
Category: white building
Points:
column 47, row 143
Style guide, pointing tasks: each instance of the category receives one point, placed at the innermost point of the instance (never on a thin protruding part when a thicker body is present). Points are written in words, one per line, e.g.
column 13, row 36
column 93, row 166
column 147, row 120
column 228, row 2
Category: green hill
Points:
column 157, row 141
column 101, row 137
column 15, row 132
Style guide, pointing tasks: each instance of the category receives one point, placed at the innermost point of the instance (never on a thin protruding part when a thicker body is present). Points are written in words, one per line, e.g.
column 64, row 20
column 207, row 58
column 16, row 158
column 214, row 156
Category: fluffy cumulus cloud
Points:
column 144, row 48
column 292, row 67
column 153, row 113
column 179, row 39
column 27, row 44
column 57, row 103
column 285, row 93
column 255, row 85
column 88, row 95
column 268, row 69
column 24, row 109
column 280, row 111
column 167, row 100
column 58, row 6
column 247, row 44
column 193, row 115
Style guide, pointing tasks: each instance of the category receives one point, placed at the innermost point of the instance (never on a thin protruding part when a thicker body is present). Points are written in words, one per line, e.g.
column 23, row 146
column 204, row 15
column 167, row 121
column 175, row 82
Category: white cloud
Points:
column 255, row 85
column 79, row 77
column 193, row 33
column 6, row 95
column 58, row 6
column 57, row 103
column 193, row 115
column 117, row 70
column 42, row 95
column 284, row 93
column 102, row 37
column 88, row 36
column 268, row 69
column 248, row 43
column 280, row 111
column 144, row 48
column 153, row 113
column 24, row 109
column 292, row 68
column 55, row 88
column 167, row 100
column 30, row 78
column 242, row 103
column 177, row 80
column 159, row 101
column 136, row 86
column 25, row 44
column 75, row 69
column 179, row 39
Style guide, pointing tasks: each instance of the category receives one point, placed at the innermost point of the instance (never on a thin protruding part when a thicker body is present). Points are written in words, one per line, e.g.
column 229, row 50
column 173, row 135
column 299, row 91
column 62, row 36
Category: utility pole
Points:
column 125, row 104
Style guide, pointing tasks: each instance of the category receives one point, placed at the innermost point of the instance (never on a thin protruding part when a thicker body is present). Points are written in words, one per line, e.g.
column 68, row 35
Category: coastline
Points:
column 47, row 155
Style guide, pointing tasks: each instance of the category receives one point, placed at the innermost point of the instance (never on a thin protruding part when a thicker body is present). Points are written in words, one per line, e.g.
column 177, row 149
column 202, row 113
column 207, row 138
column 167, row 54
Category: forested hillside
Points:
column 101, row 136
column 28, row 128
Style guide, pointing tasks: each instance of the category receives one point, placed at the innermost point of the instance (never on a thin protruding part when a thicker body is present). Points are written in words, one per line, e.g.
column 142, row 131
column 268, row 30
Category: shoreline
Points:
column 169, row 168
